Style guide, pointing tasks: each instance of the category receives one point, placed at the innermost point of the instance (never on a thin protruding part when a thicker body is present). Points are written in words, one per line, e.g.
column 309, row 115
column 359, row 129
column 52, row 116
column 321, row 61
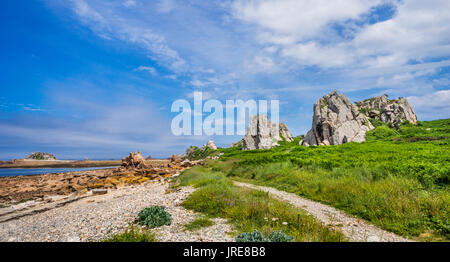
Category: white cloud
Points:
column 165, row 6
column 129, row 3
column 432, row 106
column 111, row 25
column 324, row 56
column 298, row 19
column 303, row 31
column 149, row 69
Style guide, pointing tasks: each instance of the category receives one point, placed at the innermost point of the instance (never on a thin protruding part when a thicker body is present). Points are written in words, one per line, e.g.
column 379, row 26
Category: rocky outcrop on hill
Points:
column 210, row 145
column 336, row 121
column 393, row 111
column 134, row 160
column 41, row 156
column 284, row 133
column 261, row 134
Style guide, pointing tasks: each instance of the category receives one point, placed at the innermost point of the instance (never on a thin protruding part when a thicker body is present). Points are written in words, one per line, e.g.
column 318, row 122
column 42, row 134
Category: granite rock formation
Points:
column 393, row 111
column 336, row 121
column 261, row 134
column 284, row 133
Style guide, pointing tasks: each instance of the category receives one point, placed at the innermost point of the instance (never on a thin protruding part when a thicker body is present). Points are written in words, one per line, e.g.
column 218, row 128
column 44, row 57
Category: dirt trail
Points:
column 357, row 230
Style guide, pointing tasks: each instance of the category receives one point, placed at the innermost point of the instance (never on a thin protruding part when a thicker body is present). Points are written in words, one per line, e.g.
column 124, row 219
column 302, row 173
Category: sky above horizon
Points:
column 97, row 78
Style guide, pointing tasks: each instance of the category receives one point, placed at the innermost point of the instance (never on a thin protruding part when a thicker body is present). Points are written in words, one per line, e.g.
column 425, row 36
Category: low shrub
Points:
column 132, row 234
column 256, row 236
column 154, row 216
column 279, row 236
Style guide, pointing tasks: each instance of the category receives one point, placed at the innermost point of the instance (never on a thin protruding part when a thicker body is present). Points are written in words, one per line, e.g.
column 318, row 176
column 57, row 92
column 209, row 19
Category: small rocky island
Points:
column 40, row 156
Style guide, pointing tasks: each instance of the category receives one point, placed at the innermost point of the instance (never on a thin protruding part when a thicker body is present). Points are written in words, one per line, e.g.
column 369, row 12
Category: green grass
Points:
column 199, row 223
column 249, row 209
column 398, row 179
column 133, row 234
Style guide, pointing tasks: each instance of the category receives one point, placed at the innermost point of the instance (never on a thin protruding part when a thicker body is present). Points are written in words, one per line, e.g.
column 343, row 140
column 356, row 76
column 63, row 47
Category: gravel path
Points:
column 355, row 229
column 96, row 217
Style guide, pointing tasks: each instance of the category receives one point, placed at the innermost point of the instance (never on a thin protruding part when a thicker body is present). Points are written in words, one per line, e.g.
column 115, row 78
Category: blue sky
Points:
column 97, row 78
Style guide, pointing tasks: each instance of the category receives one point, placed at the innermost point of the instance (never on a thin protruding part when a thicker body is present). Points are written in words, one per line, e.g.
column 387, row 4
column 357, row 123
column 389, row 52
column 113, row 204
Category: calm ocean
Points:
column 37, row 171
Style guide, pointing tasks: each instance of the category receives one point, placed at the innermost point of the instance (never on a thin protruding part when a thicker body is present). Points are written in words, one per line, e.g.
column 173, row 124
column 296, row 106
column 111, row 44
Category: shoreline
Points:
column 58, row 163
column 15, row 189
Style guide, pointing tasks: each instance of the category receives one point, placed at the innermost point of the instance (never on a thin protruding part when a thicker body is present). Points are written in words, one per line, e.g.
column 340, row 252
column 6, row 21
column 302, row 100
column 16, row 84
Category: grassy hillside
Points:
column 250, row 210
column 398, row 179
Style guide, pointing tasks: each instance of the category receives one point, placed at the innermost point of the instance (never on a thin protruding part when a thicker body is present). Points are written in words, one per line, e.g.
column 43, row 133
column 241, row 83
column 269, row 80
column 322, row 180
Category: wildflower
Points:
column 285, row 223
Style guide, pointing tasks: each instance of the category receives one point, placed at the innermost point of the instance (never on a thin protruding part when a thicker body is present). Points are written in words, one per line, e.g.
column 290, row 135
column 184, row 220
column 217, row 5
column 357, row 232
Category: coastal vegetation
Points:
column 248, row 210
column 256, row 236
column 198, row 223
column 154, row 216
column 133, row 234
column 398, row 179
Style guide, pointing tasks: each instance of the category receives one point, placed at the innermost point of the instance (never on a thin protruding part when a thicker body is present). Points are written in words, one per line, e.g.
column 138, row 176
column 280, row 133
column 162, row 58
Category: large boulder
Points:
column 336, row 121
column 284, row 133
column 134, row 160
column 261, row 134
column 394, row 111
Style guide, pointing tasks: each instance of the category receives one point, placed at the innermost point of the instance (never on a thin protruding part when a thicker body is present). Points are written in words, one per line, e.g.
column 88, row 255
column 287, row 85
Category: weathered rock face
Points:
column 284, row 133
column 388, row 111
column 261, row 134
column 41, row 156
column 336, row 121
column 134, row 160
column 210, row 145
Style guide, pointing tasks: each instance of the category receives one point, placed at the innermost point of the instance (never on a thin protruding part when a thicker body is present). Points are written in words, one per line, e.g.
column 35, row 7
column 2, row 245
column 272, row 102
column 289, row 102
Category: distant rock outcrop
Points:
column 134, row 160
column 336, row 121
column 40, row 156
column 284, row 133
column 263, row 134
column 176, row 158
column 393, row 111
column 210, row 145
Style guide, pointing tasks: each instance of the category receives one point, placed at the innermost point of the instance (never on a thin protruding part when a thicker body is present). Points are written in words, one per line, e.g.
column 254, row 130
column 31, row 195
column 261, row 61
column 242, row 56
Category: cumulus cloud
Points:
column 432, row 106
column 304, row 31
column 298, row 20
